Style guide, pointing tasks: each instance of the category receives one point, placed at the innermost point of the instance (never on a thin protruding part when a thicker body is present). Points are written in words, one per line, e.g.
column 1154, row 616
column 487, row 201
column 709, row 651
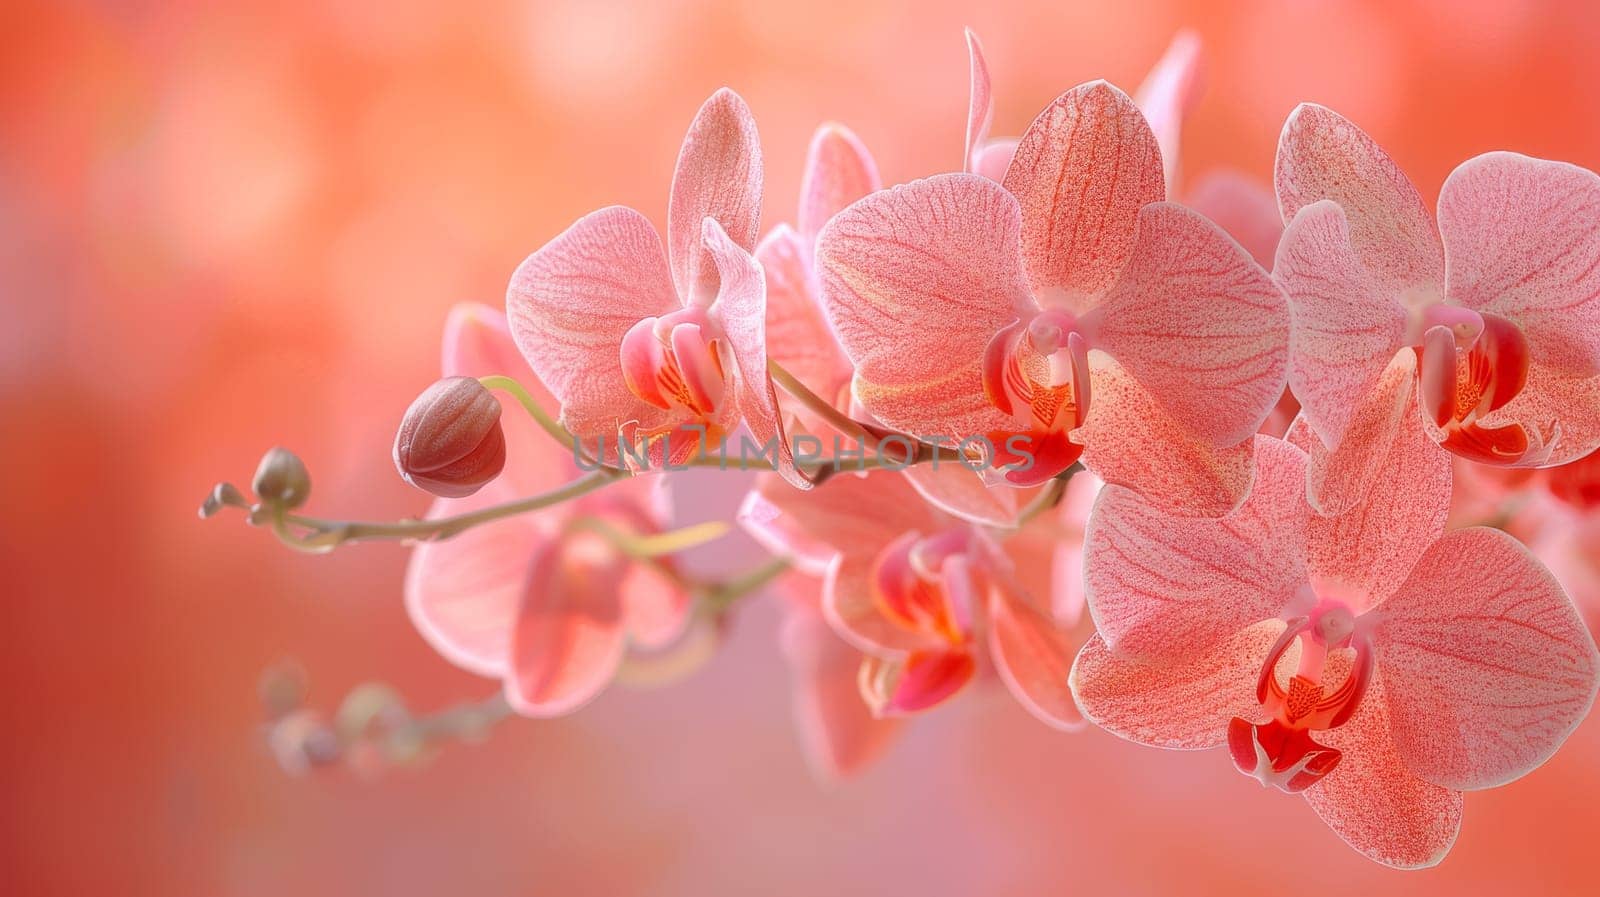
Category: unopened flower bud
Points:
column 450, row 441
column 282, row 479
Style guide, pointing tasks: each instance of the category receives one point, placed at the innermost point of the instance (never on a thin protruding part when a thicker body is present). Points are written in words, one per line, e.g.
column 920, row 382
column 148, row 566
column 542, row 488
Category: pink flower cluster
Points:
column 1290, row 592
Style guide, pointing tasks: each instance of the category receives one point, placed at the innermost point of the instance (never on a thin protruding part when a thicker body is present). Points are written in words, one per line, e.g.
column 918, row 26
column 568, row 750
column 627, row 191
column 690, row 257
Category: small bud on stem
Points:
column 282, row 480
column 450, row 441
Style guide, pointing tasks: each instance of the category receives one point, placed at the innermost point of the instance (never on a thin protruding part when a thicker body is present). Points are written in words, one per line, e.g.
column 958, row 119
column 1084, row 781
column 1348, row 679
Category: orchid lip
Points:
column 924, row 584
column 674, row 363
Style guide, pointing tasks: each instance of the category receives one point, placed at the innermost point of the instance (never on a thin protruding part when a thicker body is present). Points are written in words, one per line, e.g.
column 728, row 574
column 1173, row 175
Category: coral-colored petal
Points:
column 741, row 306
column 1374, row 802
column 838, row 733
column 657, row 609
column 1181, row 706
column 1168, row 94
column 1339, row 479
column 1345, row 327
column 839, row 171
column 1560, row 415
column 571, row 303
column 1242, row 206
column 1321, row 155
column 798, row 335
column 847, row 514
column 1131, row 440
column 1163, row 587
column 1361, row 554
column 718, row 176
column 850, row 607
column 1521, row 242
column 916, row 281
column 919, row 681
column 1033, row 657
column 1488, row 665
column 961, row 492
column 570, row 634
column 994, row 158
column 980, row 102
column 1198, row 324
column 1082, row 171
column 463, row 594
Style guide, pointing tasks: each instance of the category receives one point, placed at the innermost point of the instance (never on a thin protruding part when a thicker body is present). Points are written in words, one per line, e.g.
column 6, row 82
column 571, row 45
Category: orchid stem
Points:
column 546, row 422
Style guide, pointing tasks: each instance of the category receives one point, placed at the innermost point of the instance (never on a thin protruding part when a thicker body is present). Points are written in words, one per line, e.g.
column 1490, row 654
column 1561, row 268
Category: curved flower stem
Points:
column 647, row 547
column 545, row 421
column 326, row 535
column 716, row 599
column 844, row 423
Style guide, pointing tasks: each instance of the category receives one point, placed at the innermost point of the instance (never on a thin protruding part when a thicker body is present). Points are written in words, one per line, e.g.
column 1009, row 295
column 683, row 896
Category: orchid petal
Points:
column 851, row 515
column 916, row 682
column 1169, row 94
column 851, row 608
column 1374, row 802
column 980, row 102
column 959, row 491
column 569, row 637
column 839, row 171
column 464, row 594
column 1338, row 480
column 916, row 280
column 1182, row 706
column 1488, row 665
column 798, row 335
column 1198, row 324
column 1345, row 328
column 718, row 176
column 1082, row 171
column 1321, row 155
column 1560, row 414
column 1162, row 587
column 1521, row 243
column 1033, row 658
column 994, row 158
column 742, row 308
column 1131, row 440
column 838, row 733
column 571, row 303
column 1242, row 206
column 1360, row 554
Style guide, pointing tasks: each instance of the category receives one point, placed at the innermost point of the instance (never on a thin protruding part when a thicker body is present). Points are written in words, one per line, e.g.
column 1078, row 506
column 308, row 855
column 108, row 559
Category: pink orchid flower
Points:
column 1370, row 661
column 931, row 601
column 668, row 346
column 1501, row 299
column 969, row 310
column 838, row 171
column 538, row 600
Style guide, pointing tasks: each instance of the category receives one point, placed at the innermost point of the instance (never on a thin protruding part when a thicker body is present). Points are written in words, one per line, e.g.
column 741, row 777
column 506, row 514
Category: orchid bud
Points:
column 282, row 480
column 450, row 441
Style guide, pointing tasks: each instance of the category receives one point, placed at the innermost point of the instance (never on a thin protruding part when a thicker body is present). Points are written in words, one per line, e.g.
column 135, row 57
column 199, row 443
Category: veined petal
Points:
column 1521, row 242
column 839, row 171
column 1489, row 667
column 463, row 594
column 718, row 176
column 1242, row 206
column 1374, row 802
column 1345, row 327
column 845, row 515
column 741, row 306
column 916, row 280
column 1322, row 155
column 838, row 733
column 1163, row 587
column 1082, row 171
column 570, row 634
column 1561, row 416
column 1131, row 440
column 1033, row 658
column 1361, row 554
column 1168, row 94
column 1180, row 706
column 1198, row 324
column 798, row 335
column 1339, row 479
column 980, row 102
column 571, row 303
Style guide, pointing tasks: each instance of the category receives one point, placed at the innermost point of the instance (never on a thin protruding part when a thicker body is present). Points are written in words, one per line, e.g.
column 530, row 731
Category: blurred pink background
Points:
column 229, row 226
